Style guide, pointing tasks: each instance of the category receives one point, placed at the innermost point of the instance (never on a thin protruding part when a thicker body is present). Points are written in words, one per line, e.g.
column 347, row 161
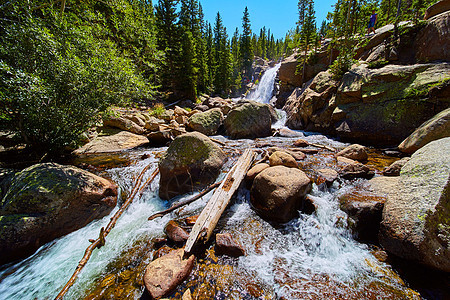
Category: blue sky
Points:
column 279, row 16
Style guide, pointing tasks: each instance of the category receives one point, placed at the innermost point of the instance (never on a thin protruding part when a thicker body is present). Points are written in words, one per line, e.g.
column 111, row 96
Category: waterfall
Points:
column 264, row 91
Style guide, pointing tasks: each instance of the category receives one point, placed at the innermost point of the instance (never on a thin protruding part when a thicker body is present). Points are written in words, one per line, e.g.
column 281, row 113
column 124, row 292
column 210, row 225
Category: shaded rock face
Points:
column 377, row 106
column 191, row 161
column 416, row 214
column 46, row 201
column 436, row 128
column 433, row 41
column 395, row 168
column 364, row 210
column 164, row 274
column 437, row 8
column 279, row 192
column 249, row 120
column 114, row 143
column 207, row 122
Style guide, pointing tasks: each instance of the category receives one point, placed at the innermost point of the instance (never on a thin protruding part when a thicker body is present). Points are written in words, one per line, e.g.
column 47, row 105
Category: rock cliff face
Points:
column 379, row 106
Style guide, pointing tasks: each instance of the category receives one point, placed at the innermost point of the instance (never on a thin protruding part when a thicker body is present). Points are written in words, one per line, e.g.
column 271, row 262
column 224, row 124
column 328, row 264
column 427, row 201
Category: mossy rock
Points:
column 191, row 161
column 46, row 201
column 207, row 122
column 249, row 120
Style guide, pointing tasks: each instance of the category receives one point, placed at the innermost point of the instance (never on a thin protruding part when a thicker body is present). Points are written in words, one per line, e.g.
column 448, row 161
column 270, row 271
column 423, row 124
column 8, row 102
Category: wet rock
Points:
column 249, row 120
column 281, row 158
column 162, row 251
column 364, row 210
column 226, row 245
column 351, row 169
column 327, row 176
column 121, row 141
column 416, row 214
column 286, row 132
column 395, row 168
column 207, row 122
column 301, row 143
column 192, row 161
column 254, row 171
column 436, row 128
column 355, row 152
column 437, row 34
column 190, row 221
column 279, row 192
column 436, row 9
column 187, row 295
column 123, row 124
column 46, row 201
column 164, row 274
column 175, row 232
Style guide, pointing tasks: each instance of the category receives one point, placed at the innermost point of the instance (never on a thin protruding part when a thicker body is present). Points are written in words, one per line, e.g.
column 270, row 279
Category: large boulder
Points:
column 416, row 215
column 118, row 142
column 433, row 41
column 249, row 120
column 436, row 128
column 46, row 201
column 207, row 122
column 279, row 192
column 191, row 161
column 164, row 274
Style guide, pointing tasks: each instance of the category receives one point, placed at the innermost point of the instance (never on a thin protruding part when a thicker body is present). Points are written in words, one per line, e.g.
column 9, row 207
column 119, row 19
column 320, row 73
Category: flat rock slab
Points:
column 114, row 143
column 164, row 274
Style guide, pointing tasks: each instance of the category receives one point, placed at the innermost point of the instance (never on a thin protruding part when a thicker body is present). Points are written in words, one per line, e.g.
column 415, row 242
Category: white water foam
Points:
column 264, row 91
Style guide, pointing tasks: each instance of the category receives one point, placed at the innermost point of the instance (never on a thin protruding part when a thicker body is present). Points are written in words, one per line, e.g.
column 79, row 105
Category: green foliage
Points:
column 58, row 72
column 246, row 50
column 342, row 64
column 157, row 110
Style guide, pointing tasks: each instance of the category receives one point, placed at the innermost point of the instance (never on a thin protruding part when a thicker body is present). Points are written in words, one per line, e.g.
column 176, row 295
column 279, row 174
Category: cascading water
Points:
column 264, row 91
column 310, row 257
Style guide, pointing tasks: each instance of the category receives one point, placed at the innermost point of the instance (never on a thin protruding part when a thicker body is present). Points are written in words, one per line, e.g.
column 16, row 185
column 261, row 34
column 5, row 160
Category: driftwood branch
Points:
column 323, row 147
column 100, row 241
column 181, row 204
column 210, row 215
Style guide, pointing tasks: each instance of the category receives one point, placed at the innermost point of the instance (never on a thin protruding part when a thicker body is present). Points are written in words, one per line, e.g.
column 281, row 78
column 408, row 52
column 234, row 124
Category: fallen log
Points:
column 181, row 204
column 100, row 241
column 207, row 221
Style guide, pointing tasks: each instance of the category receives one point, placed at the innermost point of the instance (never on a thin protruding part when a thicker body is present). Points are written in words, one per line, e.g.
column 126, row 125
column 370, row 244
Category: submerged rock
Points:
column 416, row 214
column 279, row 192
column 436, row 128
column 46, row 201
column 249, row 120
column 191, row 161
column 164, row 274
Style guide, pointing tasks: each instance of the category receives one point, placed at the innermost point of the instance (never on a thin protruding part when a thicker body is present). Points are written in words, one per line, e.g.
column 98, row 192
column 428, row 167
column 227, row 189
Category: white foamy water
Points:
column 264, row 91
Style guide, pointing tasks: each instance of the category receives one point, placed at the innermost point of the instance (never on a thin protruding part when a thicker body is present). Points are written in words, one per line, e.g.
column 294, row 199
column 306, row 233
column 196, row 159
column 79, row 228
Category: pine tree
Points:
column 211, row 55
column 222, row 58
column 202, row 56
column 307, row 31
column 246, row 46
column 169, row 41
